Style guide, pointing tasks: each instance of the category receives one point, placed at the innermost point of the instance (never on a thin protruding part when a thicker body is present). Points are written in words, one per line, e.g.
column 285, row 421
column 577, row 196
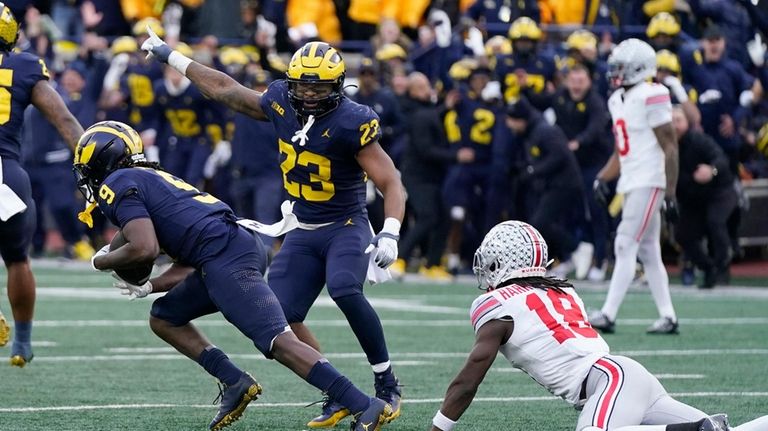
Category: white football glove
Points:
column 156, row 47
column 102, row 251
column 131, row 290
column 384, row 244
column 756, row 50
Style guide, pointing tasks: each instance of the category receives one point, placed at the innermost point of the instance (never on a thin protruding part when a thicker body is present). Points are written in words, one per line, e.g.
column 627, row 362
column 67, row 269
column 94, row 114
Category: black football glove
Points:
column 671, row 212
column 602, row 191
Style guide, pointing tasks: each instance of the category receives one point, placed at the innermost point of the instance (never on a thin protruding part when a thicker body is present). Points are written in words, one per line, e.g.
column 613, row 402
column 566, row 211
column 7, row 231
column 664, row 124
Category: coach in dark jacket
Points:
column 706, row 198
column 426, row 158
column 552, row 174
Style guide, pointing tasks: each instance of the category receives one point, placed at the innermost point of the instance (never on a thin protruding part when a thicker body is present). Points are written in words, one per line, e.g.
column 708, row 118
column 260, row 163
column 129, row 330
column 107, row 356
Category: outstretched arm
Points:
column 222, row 88
column 48, row 101
column 214, row 84
column 462, row 390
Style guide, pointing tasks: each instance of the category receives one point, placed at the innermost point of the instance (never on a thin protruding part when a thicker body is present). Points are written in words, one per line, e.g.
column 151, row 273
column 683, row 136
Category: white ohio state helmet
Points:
column 631, row 62
column 512, row 249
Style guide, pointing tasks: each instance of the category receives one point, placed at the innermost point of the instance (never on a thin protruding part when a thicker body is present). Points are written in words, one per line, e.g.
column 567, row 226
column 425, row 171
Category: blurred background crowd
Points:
column 491, row 109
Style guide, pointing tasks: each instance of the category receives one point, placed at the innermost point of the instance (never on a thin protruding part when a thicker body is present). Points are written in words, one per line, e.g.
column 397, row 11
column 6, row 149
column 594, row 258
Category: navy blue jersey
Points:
column 19, row 72
column 472, row 124
column 186, row 116
column 539, row 68
column 323, row 176
column 137, row 86
column 187, row 222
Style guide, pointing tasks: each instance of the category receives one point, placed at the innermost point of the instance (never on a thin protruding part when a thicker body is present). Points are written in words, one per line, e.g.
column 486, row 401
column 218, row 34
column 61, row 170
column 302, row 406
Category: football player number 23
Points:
column 622, row 137
column 320, row 188
column 570, row 322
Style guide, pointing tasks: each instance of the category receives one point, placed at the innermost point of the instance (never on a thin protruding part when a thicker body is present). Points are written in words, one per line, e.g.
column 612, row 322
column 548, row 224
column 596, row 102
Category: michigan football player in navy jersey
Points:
column 329, row 147
column 157, row 211
column 23, row 81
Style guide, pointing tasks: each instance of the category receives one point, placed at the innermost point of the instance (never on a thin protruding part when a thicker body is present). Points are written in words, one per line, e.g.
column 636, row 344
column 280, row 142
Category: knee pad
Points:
column 344, row 283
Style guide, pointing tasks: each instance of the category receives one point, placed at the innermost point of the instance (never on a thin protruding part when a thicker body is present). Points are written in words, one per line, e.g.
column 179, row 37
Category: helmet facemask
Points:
column 314, row 97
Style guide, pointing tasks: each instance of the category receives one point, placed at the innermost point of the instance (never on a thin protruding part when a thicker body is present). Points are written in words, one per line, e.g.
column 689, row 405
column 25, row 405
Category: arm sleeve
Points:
column 713, row 153
column 119, row 200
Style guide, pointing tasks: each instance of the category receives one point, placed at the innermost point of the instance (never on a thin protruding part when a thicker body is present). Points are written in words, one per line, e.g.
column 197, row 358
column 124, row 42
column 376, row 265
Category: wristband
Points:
column 179, row 62
column 443, row 422
column 391, row 225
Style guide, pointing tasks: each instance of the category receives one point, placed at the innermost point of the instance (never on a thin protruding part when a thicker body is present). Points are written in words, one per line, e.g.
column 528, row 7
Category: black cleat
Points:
column 373, row 418
column 600, row 321
column 718, row 422
column 664, row 325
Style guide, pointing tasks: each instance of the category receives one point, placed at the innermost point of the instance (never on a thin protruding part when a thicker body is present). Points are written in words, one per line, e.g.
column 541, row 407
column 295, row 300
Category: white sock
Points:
column 658, row 280
column 380, row 368
column 623, row 273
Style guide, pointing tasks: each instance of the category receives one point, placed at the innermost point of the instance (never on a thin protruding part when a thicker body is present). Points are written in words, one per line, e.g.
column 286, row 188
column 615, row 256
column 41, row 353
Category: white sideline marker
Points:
column 302, row 404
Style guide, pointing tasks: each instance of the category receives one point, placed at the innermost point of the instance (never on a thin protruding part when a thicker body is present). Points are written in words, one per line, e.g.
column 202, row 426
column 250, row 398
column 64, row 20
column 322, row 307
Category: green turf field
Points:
column 99, row 367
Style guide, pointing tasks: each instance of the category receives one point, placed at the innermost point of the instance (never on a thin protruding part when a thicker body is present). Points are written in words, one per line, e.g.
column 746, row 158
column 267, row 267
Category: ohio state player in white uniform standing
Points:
column 646, row 157
column 539, row 325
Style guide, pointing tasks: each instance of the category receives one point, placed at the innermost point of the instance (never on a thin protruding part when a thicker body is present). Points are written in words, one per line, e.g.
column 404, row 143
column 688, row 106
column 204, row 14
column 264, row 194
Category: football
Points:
column 136, row 275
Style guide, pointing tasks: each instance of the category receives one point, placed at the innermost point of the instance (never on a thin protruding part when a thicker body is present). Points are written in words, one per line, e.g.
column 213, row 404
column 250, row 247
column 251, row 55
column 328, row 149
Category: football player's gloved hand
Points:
column 384, row 244
column 156, row 46
column 602, row 191
column 671, row 213
column 102, row 251
column 131, row 290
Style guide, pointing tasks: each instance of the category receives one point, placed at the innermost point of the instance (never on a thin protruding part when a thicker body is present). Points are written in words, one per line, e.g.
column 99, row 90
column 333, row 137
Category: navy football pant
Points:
column 186, row 160
column 16, row 233
column 232, row 283
column 333, row 256
column 259, row 198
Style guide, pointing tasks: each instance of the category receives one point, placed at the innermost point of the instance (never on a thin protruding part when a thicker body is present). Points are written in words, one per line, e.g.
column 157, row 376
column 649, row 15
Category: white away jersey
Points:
column 635, row 113
column 552, row 341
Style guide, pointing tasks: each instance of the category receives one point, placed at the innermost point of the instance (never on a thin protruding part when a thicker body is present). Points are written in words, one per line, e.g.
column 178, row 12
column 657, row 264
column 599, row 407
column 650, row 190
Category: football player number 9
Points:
column 320, row 178
column 201, row 197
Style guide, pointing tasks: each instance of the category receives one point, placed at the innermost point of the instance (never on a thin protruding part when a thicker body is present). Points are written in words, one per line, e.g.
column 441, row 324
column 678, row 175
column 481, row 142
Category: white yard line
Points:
column 302, row 404
column 104, row 323
column 395, row 356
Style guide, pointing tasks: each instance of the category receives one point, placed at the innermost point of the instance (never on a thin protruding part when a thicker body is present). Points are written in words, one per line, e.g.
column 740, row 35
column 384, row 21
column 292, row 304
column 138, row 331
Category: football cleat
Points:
column 718, row 422
column 664, row 325
column 436, row 273
column 373, row 418
column 600, row 321
column 388, row 389
column 234, row 400
column 5, row 331
column 21, row 354
column 82, row 250
column 332, row 413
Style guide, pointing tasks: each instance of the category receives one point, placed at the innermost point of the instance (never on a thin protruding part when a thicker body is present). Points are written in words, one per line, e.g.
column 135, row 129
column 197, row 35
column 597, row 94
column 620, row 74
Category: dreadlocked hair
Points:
column 539, row 283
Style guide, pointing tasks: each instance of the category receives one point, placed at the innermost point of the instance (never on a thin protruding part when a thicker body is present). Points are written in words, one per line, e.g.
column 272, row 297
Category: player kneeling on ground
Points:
column 538, row 324
column 155, row 211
